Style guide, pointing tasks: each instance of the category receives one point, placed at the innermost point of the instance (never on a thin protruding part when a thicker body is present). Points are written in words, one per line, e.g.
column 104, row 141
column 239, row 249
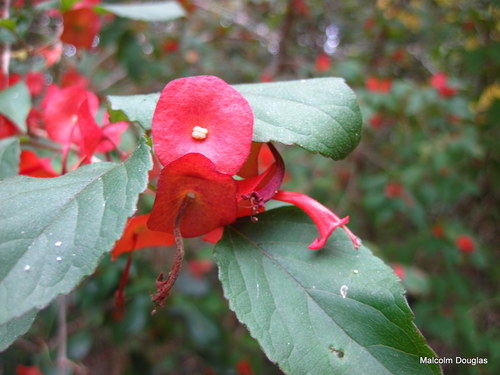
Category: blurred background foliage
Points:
column 421, row 189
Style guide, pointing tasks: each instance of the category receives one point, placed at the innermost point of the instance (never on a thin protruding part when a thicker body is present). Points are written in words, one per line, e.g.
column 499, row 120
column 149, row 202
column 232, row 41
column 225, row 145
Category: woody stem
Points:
column 164, row 286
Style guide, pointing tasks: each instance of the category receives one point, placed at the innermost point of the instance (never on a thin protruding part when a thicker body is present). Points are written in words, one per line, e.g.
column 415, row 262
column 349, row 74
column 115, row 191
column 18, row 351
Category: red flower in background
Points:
column 60, row 111
column 375, row 84
column 34, row 166
column 465, row 244
column 393, row 190
column 399, row 270
column 69, row 114
column 34, row 80
column 323, row 63
column 203, row 115
column 28, row 370
column 73, row 78
column 7, row 128
column 200, row 267
column 376, row 121
column 440, row 82
column 81, row 26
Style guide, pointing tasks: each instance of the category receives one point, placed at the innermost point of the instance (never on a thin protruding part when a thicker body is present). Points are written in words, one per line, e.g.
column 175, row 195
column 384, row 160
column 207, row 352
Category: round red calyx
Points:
column 212, row 197
column 203, row 115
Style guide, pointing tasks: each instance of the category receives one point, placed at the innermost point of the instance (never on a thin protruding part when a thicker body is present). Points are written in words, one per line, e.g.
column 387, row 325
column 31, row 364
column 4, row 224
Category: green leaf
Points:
column 137, row 108
column 9, row 157
column 12, row 329
column 333, row 311
column 54, row 231
column 15, row 103
column 160, row 11
column 320, row 115
column 9, row 24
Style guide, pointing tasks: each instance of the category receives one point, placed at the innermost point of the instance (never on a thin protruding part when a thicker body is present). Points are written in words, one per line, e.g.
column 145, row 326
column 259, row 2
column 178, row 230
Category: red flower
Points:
column 138, row 236
column 323, row 63
column 61, row 108
column 203, row 115
column 73, row 78
column 34, row 80
column 438, row 231
column 376, row 121
column 399, row 270
column 69, row 119
column 465, row 244
column 7, row 128
column 170, row 45
column 52, row 53
column 326, row 221
column 440, row 82
column 243, row 367
column 80, row 27
column 375, row 84
column 393, row 190
column 200, row 267
column 213, row 197
column 28, row 370
column 32, row 165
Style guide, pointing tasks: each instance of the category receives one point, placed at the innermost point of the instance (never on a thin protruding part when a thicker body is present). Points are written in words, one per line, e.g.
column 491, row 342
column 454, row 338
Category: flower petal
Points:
column 326, row 221
column 138, row 236
column 213, row 107
column 214, row 197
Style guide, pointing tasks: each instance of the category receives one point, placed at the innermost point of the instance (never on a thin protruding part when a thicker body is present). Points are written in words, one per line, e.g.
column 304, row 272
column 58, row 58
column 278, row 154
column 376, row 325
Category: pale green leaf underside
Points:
column 14, row 328
column 15, row 104
column 53, row 231
column 9, row 157
column 290, row 298
column 147, row 11
column 320, row 115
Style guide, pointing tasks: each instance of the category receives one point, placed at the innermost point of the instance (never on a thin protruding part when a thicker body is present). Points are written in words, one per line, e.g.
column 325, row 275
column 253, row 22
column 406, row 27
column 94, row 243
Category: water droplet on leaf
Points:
column 343, row 291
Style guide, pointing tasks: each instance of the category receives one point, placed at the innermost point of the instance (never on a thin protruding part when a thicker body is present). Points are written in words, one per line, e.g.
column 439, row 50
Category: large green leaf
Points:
column 153, row 11
column 333, row 311
column 320, row 115
column 11, row 330
column 53, row 231
column 9, row 157
column 15, row 103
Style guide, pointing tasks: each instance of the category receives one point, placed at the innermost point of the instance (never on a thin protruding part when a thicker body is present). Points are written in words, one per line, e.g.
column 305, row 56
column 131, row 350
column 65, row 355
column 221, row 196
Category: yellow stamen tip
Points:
column 199, row 133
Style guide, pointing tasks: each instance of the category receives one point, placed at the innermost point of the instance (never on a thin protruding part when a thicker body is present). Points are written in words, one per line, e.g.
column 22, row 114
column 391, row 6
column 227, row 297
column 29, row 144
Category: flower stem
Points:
column 62, row 360
column 164, row 286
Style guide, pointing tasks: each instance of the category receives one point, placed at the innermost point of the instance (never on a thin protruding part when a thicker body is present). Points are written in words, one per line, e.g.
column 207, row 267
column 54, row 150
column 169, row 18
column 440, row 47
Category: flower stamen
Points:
column 199, row 133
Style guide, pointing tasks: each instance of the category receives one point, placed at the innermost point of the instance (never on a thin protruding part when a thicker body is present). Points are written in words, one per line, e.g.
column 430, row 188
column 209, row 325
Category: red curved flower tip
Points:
column 32, row 165
column 213, row 197
column 138, row 236
column 203, row 115
column 80, row 27
column 326, row 221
